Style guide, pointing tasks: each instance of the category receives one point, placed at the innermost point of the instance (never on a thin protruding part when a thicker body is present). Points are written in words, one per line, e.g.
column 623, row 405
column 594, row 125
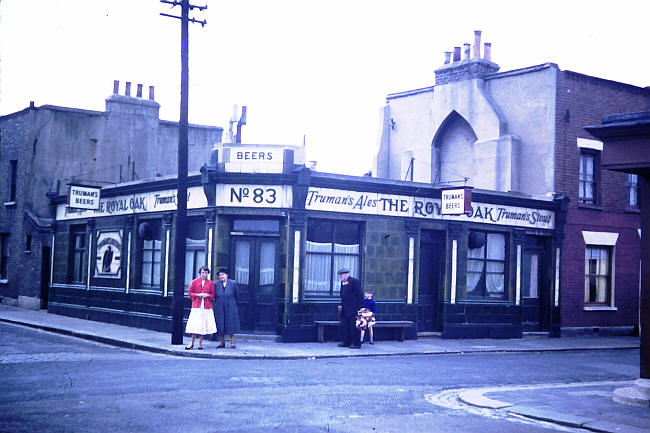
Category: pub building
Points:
column 284, row 230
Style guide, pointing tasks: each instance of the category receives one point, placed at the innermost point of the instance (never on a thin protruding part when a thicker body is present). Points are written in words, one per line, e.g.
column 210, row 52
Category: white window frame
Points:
column 606, row 240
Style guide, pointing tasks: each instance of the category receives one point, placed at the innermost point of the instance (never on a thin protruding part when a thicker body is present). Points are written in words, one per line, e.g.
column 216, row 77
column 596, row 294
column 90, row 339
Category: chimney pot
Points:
column 116, row 87
column 447, row 57
column 456, row 54
column 466, row 51
column 139, row 91
column 487, row 51
column 31, row 104
column 127, row 89
column 477, row 44
column 151, row 93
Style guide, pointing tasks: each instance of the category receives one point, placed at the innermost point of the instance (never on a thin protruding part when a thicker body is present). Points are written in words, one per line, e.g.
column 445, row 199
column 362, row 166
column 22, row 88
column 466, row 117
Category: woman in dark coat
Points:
column 225, row 308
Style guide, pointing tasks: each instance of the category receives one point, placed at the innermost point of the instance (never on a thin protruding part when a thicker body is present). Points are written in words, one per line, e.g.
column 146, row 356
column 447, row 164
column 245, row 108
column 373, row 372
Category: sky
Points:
column 310, row 70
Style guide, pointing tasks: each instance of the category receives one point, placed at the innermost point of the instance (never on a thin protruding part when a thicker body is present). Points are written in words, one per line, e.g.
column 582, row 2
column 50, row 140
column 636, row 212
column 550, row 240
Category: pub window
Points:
column 4, row 255
column 149, row 236
column 194, row 249
column 78, row 256
column 631, row 190
column 330, row 246
column 14, row 175
column 28, row 243
column 598, row 272
column 486, row 261
column 587, row 177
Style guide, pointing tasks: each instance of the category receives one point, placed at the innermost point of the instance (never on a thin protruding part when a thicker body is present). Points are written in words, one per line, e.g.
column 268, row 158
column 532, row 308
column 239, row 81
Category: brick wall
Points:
column 581, row 101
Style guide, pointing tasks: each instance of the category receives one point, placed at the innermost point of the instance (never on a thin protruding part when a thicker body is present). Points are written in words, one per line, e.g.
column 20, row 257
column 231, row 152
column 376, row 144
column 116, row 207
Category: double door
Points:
column 255, row 260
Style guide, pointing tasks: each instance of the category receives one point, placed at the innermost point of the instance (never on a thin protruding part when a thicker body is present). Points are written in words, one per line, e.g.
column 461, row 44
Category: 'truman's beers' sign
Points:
column 83, row 197
column 456, row 201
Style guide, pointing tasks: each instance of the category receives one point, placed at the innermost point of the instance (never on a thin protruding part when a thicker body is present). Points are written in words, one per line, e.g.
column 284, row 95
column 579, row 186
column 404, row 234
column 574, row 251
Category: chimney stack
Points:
column 477, row 44
column 487, row 51
column 466, row 51
column 456, row 54
column 151, row 93
column 116, row 87
column 139, row 91
column 447, row 57
column 127, row 89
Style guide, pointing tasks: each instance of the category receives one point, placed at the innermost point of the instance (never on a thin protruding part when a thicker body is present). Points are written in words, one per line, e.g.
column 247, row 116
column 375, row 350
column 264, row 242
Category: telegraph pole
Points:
column 181, row 195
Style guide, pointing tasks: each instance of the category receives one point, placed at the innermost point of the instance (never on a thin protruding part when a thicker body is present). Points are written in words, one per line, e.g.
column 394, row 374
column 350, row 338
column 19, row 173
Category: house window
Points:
column 28, row 243
column 14, row 175
column 78, row 256
column 486, row 261
column 587, row 185
column 631, row 190
column 149, row 236
column 194, row 249
column 598, row 271
column 330, row 246
column 4, row 255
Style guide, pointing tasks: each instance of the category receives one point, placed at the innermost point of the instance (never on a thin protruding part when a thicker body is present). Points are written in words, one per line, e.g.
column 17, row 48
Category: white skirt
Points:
column 201, row 321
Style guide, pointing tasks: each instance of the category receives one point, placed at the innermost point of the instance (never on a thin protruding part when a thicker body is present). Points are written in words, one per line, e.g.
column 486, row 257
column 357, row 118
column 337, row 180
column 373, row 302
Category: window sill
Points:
column 599, row 308
column 589, row 206
column 632, row 209
column 4, row 281
column 10, row 203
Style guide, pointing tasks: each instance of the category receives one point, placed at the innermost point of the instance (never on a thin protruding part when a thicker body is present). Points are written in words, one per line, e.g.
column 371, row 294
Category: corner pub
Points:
column 283, row 230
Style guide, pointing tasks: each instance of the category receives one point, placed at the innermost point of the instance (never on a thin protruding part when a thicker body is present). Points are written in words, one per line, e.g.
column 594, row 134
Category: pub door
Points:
column 255, row 269
column 535, row 288
column 431, row 270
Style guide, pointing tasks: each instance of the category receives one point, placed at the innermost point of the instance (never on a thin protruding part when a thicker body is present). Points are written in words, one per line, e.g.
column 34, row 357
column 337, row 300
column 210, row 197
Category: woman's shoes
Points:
column 190, row 347
column 200, row 347
column 232, row 345
column 221, row 346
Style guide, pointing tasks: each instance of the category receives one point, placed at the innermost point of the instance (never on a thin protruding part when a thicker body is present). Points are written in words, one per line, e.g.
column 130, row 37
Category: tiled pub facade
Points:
column 284, row 233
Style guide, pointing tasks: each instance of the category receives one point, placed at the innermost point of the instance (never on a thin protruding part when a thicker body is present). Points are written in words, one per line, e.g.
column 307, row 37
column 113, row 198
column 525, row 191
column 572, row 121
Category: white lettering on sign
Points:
column 253, row 159
column 83, row 197
column 157, row 201
column 279, row 196
column 334, row 200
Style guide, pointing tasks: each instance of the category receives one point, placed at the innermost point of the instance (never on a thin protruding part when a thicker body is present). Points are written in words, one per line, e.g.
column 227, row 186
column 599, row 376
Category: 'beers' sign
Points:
column 83, row 197
column 456, row 201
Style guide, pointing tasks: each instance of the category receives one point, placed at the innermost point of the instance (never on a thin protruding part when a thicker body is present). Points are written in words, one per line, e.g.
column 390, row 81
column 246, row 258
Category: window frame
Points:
column 609, row 296
column 201, row 251
column 78, row 231
column 482, row 282
column 332, row 293
column 140, row 249
column 629, row 187
column 595, row 181
column 13, row 180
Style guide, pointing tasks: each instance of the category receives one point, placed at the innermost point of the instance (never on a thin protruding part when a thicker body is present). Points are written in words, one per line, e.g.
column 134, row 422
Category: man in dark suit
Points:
column 351, row 303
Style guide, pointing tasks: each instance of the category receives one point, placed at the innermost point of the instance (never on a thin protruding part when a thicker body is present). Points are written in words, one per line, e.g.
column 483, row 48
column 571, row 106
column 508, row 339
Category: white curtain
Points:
column 340, row 261
column 496, row 250
column 267, row 263
column 242, row 261
column 597, row 275
column 317, row 268
column 474, row 267
column 533, row 291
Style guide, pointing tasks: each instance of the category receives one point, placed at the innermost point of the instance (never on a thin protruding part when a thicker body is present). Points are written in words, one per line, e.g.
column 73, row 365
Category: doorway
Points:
column 45, row 276
column 534, row 288
column 255, row 268
column 431, row 270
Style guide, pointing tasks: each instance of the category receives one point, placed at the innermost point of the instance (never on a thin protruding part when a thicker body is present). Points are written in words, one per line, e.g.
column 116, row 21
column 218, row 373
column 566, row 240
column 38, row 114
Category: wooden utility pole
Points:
column 180, row 232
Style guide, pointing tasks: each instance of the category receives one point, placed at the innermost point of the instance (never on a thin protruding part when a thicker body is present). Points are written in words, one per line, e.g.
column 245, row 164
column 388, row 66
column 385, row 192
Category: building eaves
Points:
column 191, row 125
column 521, row 71
column 409, row 93
column 578, row 75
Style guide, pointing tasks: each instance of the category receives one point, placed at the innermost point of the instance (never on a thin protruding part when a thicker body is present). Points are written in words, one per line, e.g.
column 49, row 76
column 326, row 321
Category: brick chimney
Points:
column 471, row 66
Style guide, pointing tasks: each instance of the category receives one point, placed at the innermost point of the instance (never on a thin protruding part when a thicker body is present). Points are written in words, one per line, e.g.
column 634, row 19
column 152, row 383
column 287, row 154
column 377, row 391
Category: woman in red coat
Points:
column 201, row 320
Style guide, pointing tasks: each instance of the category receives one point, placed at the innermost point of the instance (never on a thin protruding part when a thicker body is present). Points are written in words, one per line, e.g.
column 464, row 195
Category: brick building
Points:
column 44, row 148
column 521, row 132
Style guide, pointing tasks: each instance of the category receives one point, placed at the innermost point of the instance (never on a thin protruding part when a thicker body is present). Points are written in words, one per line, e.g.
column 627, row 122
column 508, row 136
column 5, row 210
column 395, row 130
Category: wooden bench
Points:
column 401, row 324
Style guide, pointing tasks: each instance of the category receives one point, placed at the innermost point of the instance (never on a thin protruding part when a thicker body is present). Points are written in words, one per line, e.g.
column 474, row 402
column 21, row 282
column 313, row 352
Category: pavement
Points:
column 587, row 406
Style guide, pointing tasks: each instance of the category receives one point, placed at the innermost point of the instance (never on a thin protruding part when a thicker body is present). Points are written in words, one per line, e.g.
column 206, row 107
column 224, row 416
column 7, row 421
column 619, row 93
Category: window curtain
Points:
column 597, row 275
column 267, row 263
column 494, row 278
column 341, row 261
column 242, row 261
column 474, row 267
column 317, row 268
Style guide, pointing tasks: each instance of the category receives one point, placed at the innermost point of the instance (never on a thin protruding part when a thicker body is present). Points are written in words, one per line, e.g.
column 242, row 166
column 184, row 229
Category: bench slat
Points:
column 379, row 324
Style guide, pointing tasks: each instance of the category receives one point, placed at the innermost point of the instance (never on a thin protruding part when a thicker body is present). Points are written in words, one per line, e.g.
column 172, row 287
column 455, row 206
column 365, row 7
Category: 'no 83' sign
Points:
column 254, row 195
